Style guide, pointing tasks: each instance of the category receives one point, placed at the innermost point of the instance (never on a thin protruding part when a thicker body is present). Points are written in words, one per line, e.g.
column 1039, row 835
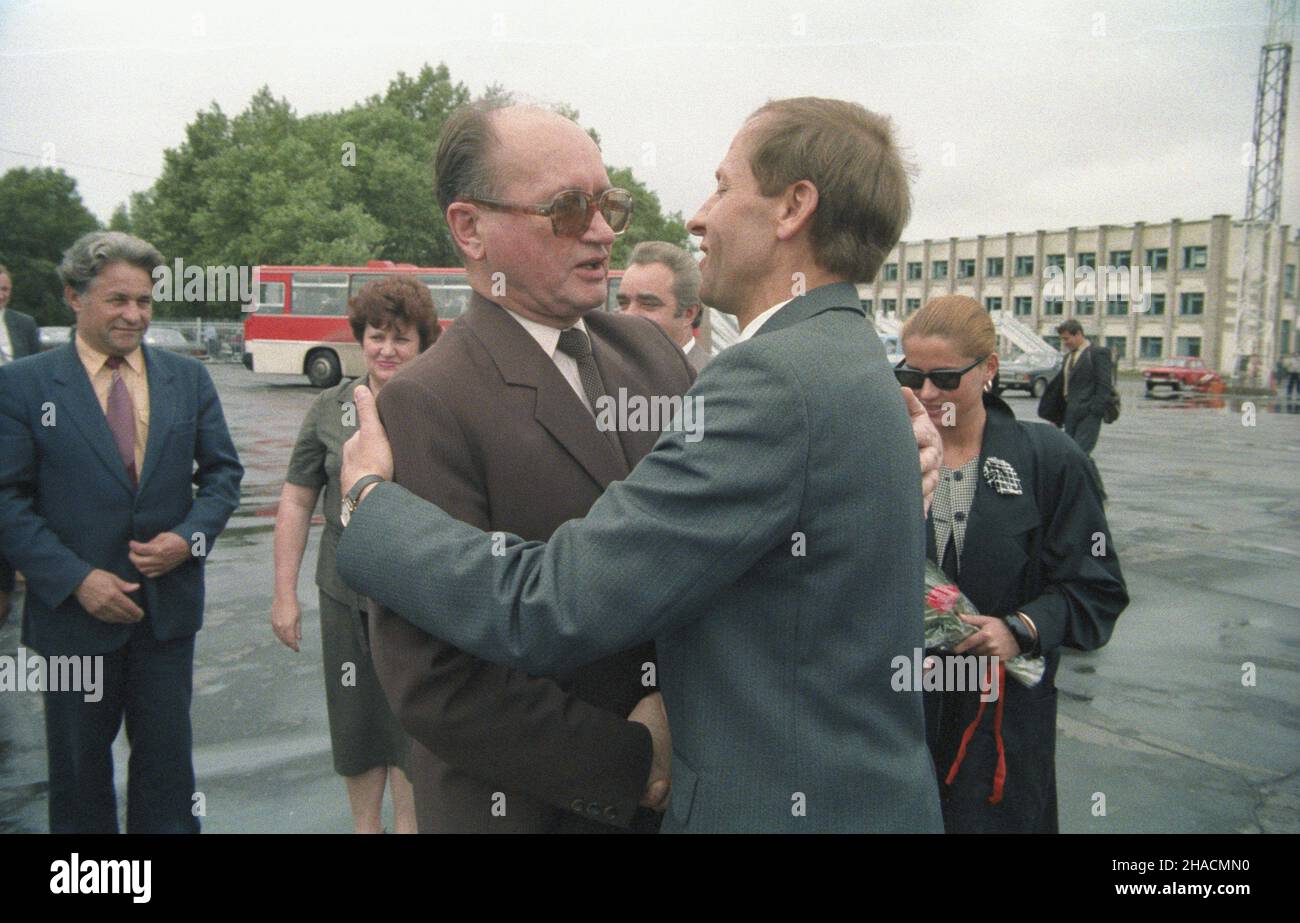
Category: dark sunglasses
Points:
column 572, row 210
column 944, row 379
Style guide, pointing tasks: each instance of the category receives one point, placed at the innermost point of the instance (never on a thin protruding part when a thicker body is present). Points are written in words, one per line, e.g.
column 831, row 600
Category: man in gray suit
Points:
column 777, row 561
column 662, row 284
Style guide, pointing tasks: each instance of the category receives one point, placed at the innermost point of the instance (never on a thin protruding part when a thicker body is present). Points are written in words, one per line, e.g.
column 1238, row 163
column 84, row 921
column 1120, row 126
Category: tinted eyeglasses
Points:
column 572, row 210
column 944, row 379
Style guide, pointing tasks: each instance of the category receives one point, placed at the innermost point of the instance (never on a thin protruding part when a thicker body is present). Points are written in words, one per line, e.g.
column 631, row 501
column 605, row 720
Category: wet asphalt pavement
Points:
column 1205, row 515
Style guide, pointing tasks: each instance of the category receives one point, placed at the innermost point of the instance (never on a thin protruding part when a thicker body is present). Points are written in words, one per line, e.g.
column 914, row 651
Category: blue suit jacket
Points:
column 67, row 505
column 777, row 562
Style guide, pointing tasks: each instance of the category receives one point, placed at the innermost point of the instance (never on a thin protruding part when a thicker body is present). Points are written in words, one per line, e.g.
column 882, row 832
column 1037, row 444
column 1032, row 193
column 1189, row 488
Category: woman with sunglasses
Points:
column 1017, row 523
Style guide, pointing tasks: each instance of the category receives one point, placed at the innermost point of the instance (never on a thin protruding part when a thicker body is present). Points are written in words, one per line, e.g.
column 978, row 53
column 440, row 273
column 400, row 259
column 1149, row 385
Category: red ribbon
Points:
column 999, row 774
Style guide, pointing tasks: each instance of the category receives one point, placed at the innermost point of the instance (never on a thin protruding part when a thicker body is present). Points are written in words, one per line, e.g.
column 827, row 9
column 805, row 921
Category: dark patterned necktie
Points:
column 121, row 418
column 574, row 342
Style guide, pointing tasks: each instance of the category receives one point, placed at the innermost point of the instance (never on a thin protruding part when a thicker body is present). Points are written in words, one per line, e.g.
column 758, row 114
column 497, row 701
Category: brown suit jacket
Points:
column 484, row 425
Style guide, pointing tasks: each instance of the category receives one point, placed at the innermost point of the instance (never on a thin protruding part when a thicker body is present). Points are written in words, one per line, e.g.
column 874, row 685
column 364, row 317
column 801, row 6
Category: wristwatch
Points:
column 354, row 497
column 1025, row 639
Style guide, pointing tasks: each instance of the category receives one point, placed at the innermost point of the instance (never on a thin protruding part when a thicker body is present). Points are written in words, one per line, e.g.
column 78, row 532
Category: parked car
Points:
column 50, row 337
column 1027, row 372
column 173, row 340
column 1181, row 372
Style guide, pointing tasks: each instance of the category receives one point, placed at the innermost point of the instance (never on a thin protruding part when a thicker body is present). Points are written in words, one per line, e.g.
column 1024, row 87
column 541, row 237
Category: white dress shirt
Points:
column 548, row 338
column 690, row 344
column 6, row 347
column 753, row 326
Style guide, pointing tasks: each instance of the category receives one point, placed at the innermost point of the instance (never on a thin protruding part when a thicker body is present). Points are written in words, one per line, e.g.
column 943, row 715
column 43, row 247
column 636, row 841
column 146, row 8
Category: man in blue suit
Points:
column 775, row 556
column 102, row 443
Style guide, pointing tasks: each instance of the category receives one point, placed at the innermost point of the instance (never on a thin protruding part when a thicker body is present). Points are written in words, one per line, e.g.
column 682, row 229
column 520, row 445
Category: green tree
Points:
column 648, row 219
column 43, row 215
column 270, row 186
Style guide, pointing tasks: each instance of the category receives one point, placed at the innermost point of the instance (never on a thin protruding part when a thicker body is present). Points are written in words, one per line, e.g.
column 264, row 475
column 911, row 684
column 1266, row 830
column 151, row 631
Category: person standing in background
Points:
column 394, row 320
column 102, row 444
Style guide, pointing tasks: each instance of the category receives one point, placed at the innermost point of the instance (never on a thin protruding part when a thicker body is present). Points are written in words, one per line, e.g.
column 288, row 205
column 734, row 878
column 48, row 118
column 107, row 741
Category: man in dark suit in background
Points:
column 662, row 284
column 99, row 443
column 495, row 424
column 18, row 337
column 776, row 557
column 1087, row 384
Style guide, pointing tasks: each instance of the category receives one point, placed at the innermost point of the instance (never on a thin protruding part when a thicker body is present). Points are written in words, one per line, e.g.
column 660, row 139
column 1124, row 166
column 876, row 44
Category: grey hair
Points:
column 92, row 252
column 686, row 272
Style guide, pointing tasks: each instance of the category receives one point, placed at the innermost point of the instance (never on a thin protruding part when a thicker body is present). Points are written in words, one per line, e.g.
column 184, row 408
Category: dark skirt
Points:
column 364, row 732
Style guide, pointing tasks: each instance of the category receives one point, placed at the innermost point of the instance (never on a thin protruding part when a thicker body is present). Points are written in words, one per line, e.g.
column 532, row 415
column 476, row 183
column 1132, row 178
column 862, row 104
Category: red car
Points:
column 1183, row 372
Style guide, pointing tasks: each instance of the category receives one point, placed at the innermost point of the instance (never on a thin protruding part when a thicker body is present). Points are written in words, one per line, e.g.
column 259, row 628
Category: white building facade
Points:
column 1186, row 272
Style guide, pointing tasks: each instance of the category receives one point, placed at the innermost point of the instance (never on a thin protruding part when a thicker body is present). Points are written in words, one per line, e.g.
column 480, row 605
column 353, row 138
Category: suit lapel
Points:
column 160, row 380
column 995, row 519
column 75, row 398
column 522, row 363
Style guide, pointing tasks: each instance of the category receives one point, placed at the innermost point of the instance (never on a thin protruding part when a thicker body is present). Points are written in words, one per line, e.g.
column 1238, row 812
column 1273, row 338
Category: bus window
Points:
column 450, row 293
column 361, row 279
column 611, row 302
column 270, row 298
column 323, row 293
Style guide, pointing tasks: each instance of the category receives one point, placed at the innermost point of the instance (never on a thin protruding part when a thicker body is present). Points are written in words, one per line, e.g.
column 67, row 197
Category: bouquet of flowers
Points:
column 944, row 630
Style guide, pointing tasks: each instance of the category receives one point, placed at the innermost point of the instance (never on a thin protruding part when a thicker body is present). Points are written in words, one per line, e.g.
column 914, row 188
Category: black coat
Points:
column 1030, row 553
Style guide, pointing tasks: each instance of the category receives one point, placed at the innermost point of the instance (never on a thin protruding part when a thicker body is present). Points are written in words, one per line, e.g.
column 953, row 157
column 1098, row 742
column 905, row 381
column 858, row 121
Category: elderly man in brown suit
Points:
column 496, row 749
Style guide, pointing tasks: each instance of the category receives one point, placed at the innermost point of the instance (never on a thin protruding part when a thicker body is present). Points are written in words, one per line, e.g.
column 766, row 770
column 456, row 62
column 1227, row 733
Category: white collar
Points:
column 690, row 344
column 753, row 326
column 548, row 338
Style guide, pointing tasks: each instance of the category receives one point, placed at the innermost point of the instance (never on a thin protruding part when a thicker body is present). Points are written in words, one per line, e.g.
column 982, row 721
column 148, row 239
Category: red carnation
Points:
column 943, row 598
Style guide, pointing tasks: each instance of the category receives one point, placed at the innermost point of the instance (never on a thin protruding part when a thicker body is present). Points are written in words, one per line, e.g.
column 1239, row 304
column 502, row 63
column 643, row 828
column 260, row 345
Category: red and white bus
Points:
column 297, row 323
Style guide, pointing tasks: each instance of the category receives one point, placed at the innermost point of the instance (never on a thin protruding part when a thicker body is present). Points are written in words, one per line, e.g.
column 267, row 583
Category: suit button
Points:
column 611, row 813
column 959, row 516
column 577, row 805
column 593, row 809
column 956, row 475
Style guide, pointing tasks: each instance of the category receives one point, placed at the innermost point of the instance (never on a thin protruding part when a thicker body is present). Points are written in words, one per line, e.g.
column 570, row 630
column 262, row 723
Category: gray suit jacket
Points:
column 777, row 562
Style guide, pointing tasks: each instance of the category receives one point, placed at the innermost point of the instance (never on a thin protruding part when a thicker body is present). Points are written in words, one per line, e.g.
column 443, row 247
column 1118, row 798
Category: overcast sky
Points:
column 1017, row 115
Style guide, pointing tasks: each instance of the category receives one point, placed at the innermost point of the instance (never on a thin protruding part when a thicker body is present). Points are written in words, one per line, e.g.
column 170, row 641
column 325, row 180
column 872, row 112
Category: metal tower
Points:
column 1257, row 295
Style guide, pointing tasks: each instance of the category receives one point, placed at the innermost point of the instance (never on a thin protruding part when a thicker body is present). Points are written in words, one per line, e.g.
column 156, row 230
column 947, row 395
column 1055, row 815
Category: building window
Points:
column 914, row 271
column 1052, row 259
column 1288, row 280
column 1053, row 307
column 1191, row 303
column 1156, row 305
column 1024, row 265
column 866, row 304
column 993, row 266
column 1189, row 346
column 1285, row 345
column 1151, row 347
column 913, row 304
column 1084, row 307
column 888, row 305
column 966, row 269
column 891, row 272
column 1022, row 305
column 1193, row 257
column 1086, row 259
column 1118, row 347
column 1052, row 340
column 993, row 303
column 1121, row 258
column 939, row 269
column 1117, row 308
column 1158, row 260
